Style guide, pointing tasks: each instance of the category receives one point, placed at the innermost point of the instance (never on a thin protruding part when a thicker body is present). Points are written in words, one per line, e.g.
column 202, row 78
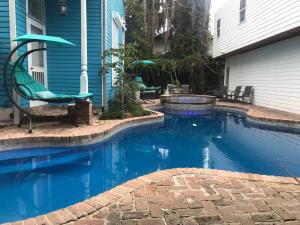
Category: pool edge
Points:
column 79, row 140
column 91, row 206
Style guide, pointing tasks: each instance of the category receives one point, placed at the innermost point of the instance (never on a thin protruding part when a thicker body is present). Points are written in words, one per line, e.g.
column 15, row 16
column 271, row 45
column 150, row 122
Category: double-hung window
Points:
column 242, row 10
column 36, row 10
column 219, row 27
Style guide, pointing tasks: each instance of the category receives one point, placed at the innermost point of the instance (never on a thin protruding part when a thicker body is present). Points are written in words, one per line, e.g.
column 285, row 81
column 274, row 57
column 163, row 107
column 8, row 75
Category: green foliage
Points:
column 188, row 61
column 124, row 102
column 139, row 111
column 111, row 115
column 136, row 28
column 176, row 83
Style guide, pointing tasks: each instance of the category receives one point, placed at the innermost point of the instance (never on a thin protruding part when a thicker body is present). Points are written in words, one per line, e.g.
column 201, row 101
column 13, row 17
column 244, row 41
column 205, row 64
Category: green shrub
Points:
column 111, row 115
column 140, row 112
column 116, row 113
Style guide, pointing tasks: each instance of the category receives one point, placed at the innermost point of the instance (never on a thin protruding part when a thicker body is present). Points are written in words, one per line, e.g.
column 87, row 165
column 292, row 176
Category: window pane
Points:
column 218, row 27
column 242, row 4
column 242, row 15
column 37, row 57
column 36, row 9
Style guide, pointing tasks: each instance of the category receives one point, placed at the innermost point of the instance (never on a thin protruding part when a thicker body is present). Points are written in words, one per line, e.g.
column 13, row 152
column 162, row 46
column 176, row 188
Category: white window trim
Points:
column 118, row 20
column 115, row 45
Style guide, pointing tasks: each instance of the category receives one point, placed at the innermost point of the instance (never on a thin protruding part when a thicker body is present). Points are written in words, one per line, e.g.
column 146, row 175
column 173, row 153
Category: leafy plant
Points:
column 124, row 102
column 176, row 83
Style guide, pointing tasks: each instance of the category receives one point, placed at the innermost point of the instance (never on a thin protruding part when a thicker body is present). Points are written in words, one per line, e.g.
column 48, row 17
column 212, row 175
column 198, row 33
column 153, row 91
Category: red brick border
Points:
column 262, row 114
column 70, row 135
column 89, row 207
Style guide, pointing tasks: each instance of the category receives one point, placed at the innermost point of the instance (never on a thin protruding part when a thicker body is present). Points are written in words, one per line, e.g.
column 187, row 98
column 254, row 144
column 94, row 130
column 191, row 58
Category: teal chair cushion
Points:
column 46, row 94
column 35, row 90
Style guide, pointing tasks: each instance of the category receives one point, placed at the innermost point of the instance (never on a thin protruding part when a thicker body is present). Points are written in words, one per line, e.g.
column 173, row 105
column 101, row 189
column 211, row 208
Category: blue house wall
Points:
column 21, row 30
column 4, row 47
column 64, row 63
column 117, row 6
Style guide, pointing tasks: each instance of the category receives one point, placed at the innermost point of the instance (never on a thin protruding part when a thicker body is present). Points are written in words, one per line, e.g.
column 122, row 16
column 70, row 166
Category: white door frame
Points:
column 32, row 21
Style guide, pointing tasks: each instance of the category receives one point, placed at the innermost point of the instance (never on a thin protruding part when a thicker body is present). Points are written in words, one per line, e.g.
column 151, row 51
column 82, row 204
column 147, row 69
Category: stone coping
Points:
column 62, row 134
column 263, row 114
column 174, row 99
column 209, row 195
column 66, row 135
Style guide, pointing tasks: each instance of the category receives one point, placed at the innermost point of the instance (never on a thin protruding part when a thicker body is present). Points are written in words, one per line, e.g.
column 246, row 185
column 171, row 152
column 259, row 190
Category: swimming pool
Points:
column 37, row 181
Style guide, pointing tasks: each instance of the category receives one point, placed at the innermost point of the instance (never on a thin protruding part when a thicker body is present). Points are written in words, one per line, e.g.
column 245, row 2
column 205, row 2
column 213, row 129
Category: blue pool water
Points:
column 36, row 181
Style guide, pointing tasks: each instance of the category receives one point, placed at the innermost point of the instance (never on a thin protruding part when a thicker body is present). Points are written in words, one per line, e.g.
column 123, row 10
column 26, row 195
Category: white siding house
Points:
column 260, row 41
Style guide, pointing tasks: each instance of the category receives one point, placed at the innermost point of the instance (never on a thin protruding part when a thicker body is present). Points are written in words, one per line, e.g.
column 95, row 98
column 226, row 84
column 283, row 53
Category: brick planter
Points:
column 83, row 112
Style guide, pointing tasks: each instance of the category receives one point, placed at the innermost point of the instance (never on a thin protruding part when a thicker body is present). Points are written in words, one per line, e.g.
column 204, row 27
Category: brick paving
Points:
column 187, row 197
column 62, row 133
column 173, row 197
column 262, row 113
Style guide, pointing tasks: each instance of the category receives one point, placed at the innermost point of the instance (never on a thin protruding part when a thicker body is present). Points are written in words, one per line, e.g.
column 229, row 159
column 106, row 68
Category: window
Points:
column 227, row 77
column 115, row 45
column 218, row 27
column 242, row 10
column 36, row 9
column 37, row 57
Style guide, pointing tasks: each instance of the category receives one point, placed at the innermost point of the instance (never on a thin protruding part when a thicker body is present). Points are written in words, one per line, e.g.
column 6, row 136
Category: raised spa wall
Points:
column 183, row 102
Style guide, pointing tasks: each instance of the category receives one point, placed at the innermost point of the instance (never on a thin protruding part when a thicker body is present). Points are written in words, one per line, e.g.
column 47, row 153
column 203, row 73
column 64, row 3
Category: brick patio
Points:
column 173, row 197
column 64, row 133
column 188, row 197
column 262, row 113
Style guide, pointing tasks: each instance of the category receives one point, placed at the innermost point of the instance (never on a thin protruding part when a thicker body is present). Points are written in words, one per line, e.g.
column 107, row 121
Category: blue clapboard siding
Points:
column 117, row 6
column 21, row 30
column 64, row 63
column 94, row 49
column 4, row 47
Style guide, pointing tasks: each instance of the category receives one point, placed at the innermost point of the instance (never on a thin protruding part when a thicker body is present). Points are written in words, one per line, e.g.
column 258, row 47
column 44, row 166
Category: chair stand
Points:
column 29, row 121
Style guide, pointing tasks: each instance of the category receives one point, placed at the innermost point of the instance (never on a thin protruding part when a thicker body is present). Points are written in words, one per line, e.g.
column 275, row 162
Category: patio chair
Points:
column 247, row 94
column 32, row 90
column 222, row 92
column 234, row 95
column 18, row 79
column 147, row 92
column 171, row 88
column 185, row 88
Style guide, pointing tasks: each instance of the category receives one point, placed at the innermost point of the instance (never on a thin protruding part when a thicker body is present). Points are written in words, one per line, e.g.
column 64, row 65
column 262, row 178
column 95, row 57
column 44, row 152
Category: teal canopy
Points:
column 145, row 62
column 44, row 38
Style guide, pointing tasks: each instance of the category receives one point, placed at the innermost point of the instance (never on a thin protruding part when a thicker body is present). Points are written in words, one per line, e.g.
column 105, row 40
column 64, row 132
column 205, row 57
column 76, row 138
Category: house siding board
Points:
column 21, row 30
column 64, row 63
column 5, row 47
column 117, row 6
column 264, row 19
column 273, row 71
column 94, row 49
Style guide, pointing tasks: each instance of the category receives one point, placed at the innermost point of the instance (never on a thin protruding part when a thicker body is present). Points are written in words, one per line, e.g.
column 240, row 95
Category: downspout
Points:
column 13, row 44
column 103, row 14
